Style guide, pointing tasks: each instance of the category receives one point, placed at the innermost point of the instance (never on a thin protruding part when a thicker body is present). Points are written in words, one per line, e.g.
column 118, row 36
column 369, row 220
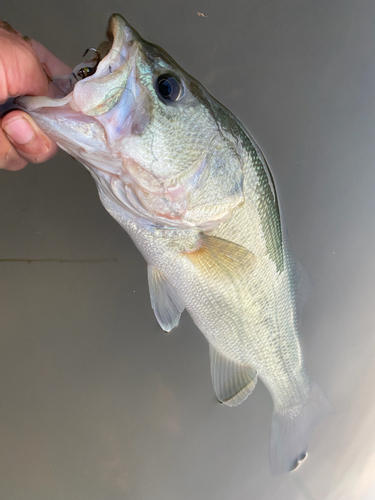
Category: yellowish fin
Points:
column 218, row 256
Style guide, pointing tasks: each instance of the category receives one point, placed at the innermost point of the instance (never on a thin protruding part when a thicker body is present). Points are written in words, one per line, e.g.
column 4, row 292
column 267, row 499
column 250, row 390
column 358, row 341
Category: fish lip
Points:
column 121, row 36
column 119, row 33
column 118, row 29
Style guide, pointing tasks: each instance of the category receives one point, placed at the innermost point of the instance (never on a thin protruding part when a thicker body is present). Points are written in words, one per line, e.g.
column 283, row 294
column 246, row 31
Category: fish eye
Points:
column 169, row 88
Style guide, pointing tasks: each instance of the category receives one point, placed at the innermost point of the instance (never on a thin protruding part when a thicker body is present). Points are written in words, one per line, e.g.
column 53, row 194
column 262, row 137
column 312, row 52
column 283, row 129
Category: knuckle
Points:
column 11, row 160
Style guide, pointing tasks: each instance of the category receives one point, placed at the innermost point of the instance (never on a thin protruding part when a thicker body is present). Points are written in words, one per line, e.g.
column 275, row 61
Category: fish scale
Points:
column 180, row 173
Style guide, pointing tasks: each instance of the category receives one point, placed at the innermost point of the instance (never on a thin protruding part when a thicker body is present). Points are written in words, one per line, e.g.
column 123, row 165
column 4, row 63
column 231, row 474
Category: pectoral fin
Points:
column 216, row 255
column 165, row 300
column 232, row 381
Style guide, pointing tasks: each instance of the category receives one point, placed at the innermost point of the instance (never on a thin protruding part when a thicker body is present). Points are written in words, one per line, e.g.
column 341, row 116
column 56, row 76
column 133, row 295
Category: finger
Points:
column 56, row 67
column 21, row 72
column 9, row 158
column 28, row 139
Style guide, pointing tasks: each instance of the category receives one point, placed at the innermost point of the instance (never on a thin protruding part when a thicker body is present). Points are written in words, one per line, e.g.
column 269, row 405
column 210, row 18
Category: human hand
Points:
column 24, row 65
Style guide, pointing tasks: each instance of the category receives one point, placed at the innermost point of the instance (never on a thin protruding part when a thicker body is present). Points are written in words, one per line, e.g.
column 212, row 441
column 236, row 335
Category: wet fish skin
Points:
column 189, row 184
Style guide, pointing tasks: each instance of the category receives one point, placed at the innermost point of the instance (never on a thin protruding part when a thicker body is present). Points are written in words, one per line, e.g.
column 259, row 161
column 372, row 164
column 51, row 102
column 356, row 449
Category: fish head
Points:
column 147, row 131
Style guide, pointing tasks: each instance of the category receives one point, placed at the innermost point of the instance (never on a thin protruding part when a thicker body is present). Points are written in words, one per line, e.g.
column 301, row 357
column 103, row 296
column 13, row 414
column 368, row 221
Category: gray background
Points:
column 96, row 402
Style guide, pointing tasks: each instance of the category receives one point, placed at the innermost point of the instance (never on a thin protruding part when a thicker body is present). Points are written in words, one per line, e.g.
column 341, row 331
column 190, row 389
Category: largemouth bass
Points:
column 184, row 178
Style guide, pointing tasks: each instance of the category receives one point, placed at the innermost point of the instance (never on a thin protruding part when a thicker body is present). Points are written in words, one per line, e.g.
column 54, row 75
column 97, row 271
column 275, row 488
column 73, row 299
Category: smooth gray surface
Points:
column 96, row 402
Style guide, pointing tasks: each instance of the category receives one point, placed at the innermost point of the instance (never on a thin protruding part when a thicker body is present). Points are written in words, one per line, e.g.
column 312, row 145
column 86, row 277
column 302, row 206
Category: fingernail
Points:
column 19, row 130
column 8, row 27
column 28, row 40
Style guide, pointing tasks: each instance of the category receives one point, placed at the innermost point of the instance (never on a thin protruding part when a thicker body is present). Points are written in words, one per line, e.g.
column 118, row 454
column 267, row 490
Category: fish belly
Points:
column 249, row 319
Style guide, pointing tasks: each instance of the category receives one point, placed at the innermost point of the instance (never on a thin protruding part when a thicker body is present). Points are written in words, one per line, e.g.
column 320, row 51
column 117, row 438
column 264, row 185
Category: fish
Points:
column 189, row 184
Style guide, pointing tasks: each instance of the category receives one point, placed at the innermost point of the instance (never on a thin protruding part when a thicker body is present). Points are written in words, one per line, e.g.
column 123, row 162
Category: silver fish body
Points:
column 188, row 183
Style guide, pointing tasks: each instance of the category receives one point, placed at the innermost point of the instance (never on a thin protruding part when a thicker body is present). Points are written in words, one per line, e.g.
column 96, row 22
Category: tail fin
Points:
column 291, row 429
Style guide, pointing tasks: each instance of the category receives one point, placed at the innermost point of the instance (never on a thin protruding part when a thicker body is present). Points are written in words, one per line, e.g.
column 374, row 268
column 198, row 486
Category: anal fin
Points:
column 165, row 300
column 232, row 382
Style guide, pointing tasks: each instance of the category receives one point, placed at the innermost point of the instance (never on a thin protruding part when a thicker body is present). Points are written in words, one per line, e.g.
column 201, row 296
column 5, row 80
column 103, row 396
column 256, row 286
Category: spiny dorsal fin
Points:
column 232, row 382
column 165, row 301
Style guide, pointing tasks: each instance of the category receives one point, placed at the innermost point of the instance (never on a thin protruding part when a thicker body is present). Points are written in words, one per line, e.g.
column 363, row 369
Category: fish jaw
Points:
column 93, row 122
column 97, row 94
column 98, row 113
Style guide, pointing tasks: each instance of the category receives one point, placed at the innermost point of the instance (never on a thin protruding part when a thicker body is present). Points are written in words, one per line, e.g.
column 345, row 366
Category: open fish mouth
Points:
column 94, row 107
column 96, row 84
